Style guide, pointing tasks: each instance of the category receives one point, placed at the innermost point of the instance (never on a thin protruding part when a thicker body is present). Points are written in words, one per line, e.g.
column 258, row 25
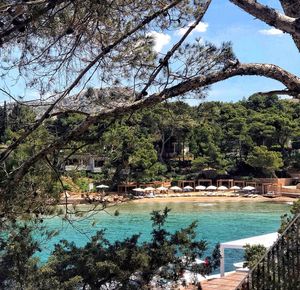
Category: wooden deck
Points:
column 229, row 282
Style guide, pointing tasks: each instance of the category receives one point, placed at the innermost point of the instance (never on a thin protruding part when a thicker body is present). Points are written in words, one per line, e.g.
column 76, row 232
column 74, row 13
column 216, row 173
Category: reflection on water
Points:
column 217, row 222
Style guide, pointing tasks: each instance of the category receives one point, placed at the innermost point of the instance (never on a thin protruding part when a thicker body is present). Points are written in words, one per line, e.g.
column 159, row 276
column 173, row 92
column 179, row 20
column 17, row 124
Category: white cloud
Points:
column 160, row 40
column 271, row 31
column 201, row 27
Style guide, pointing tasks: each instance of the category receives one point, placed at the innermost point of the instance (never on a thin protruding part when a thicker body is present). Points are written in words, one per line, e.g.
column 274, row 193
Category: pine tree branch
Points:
column 292, row 8
column 270, row 16
column 103, row 52
column 170, row 53
column 38, row 13
column 278, row 92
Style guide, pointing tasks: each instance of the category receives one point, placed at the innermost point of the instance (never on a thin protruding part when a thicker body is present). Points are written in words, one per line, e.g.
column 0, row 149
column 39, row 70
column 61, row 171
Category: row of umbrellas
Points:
column 177, row 188
column 199, row 187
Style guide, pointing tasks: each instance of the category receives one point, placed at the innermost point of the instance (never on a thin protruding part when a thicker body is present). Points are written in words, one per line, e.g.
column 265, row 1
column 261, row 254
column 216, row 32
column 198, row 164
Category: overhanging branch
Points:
column 278, row 92
column 103, row 52
column 270, row 16
column 292, row 8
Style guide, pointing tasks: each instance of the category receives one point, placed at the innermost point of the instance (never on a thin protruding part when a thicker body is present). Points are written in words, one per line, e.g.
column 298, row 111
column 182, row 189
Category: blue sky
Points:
column 253, row 41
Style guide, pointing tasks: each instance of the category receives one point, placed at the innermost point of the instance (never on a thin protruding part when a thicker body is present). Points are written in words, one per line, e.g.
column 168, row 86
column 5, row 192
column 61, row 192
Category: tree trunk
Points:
column 292, row 8
column 284, row 22
column 183, row 150
column 162, row 150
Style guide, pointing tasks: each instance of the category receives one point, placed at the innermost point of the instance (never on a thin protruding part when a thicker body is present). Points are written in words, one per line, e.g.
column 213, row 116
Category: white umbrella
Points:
column 149, row 188
column 235, row 187
column 200, row 187
column 248, row 188
column 162, row 188
column 102, row 186
column 176, row 188
column 188, row 187
column 211, row 187
column 138, row 189
column 222, row 187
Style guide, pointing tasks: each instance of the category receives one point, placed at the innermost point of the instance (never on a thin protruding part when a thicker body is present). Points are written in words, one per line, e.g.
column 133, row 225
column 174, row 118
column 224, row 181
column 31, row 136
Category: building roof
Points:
column 266, row 240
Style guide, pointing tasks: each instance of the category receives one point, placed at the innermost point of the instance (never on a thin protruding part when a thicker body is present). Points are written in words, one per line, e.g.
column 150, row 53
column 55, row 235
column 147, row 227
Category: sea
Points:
column 217, row 222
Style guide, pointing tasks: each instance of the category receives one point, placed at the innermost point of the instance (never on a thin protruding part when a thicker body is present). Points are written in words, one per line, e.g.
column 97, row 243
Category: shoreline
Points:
column 214, row 199
column 115, row 199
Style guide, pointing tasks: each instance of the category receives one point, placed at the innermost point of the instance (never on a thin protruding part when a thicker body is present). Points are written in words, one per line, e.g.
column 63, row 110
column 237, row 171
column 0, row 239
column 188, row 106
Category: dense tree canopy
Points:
column 59, row 48
column 261, row 132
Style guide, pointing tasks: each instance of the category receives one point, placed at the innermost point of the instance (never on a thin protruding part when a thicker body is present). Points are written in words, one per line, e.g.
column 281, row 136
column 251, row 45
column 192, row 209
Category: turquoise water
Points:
column 217, row 222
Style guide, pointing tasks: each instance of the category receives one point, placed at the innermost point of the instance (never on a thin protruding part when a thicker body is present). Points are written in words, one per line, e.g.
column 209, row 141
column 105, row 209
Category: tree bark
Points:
column 162, row 149
column 287, row 23
column 292, row 8
column 164, row 142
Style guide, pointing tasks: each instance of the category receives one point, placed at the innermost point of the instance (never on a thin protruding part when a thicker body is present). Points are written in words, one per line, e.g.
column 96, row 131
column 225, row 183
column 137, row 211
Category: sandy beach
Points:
column 114, row 198
column 213, row 199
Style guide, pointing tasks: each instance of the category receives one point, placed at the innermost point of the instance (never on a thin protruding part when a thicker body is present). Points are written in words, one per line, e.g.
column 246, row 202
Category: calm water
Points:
column 217, row 222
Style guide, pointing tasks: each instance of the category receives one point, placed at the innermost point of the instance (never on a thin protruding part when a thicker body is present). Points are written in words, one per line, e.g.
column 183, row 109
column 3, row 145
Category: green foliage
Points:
column 62, row 125
column 261, row 103
column 17, row 262
column 253, row 254
column 83, row 183
column 56, row 33
column 127, row 264
column 220, row 136
column 131, row 154
column 20, row 117
column 268, row 161
column 67, row 186
column 199, row 163
column 294, row 161
column 224, row 137
column 287, row 218
column 295, row 207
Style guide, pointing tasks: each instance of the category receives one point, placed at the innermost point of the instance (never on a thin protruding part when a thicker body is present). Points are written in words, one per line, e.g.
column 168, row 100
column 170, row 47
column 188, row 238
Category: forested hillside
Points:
column 259, row 136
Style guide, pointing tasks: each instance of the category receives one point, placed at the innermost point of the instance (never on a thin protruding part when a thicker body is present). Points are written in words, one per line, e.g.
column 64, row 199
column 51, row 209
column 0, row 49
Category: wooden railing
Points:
column 279, row 268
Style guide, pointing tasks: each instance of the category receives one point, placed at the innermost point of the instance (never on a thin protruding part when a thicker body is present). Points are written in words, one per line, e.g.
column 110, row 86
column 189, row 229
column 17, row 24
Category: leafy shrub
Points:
column 83, row 183
column 253, row 254
column 67, row 186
